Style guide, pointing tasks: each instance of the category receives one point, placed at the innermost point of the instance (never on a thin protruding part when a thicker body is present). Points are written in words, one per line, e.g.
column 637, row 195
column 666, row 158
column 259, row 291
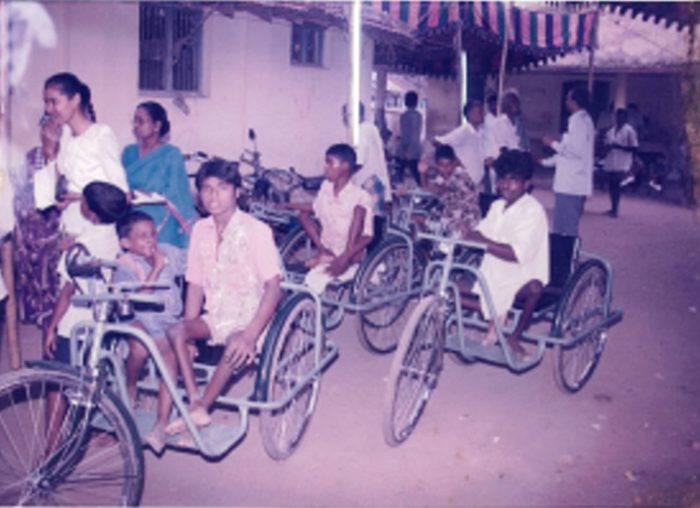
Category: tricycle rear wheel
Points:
column 289, row 357
column 582, row 307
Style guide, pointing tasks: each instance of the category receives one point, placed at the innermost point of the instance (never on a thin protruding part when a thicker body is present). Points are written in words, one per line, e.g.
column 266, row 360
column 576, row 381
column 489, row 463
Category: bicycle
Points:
column 272, row 185
column 98, row 456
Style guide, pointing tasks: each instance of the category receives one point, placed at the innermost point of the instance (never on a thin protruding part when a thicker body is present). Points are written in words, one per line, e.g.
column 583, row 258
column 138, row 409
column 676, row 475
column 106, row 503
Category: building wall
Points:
column 248, row 82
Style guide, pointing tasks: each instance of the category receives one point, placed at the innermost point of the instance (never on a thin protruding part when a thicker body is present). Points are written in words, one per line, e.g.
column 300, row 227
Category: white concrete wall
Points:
column 249, row 82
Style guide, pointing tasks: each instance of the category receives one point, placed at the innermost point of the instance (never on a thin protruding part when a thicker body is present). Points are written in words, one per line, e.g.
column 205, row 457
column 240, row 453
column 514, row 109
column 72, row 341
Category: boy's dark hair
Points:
column 345, row 153
column 471, row 105
column 220, row 168
column 126, row 223
column 445, row 152
column 516, row 163
column 107, row 201
column 411, row 99
column 579, row 95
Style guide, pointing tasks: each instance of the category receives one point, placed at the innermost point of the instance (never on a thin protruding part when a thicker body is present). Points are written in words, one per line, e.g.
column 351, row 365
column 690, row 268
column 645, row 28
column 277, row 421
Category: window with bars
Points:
column 170, row 48
column 307, row 44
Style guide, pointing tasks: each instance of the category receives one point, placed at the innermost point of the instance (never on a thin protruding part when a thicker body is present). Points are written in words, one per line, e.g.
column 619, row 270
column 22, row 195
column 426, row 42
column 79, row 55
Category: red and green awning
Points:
column 551, row 31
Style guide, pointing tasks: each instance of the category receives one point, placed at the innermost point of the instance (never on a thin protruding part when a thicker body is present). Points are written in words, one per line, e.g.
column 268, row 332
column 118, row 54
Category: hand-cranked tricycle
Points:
column 96, row 456
column 576, row 304
column 387, row 279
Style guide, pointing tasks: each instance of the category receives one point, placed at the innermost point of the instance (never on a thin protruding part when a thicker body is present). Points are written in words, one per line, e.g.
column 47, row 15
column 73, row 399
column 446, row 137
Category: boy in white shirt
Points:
column 515, row 233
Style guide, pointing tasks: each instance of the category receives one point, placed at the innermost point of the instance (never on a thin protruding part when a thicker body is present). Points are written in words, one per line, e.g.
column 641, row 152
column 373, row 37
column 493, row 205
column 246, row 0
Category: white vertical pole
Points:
column 464, row 72
column 6, row 269
column 356, row 61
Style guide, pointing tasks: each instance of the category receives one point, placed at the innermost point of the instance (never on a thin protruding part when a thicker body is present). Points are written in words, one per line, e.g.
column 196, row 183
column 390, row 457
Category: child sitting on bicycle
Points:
column 102, row 204
column 233, row 272
column 146, row 260
column 453, row 185
column 344, row 211
column 515, row 233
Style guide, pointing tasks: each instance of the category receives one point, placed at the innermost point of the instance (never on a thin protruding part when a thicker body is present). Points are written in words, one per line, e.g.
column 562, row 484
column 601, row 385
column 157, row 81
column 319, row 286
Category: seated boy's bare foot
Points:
column 156, row 438
column 491, row 337
column 200, row 417
column 517, row 349
column 319, row 258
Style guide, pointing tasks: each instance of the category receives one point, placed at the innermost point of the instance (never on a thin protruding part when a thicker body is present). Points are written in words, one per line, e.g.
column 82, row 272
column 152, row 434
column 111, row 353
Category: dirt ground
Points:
column 489, row 437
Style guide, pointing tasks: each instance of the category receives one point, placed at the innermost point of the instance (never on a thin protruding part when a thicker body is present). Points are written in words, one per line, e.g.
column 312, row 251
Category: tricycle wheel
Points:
column 414, row 370
column 289, row 358
column 385, row 273
column 296, row 248
column 583, row 306
column 63, row 445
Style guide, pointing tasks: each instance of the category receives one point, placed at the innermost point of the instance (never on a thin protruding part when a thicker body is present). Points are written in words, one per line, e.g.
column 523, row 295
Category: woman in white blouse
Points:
column 86, row 152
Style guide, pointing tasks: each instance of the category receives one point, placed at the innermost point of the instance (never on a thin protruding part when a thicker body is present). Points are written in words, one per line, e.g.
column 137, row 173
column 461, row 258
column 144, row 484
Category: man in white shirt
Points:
column 573, row 177
column 502, row 132
column 491, row 109
column 373, row 175
column 467, row 141
column 620, row 143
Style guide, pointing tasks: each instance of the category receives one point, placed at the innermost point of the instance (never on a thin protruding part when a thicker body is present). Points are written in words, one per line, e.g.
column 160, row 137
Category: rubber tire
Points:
column 370, row 331
column 16, row 384
column 591, row 347
column 300, row 409
column 292, row 244
column 408, row 344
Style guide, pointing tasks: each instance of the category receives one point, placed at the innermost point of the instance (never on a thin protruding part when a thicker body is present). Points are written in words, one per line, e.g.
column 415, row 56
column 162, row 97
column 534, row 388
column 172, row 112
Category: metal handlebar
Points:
column 451, row 241
column 121, row 291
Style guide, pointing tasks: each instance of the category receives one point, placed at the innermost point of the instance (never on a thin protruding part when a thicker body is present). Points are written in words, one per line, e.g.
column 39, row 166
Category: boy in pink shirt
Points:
column 233, row 271
column 344, row 211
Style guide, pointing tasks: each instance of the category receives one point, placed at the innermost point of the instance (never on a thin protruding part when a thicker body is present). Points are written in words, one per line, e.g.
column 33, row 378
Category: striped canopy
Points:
column 551, row 31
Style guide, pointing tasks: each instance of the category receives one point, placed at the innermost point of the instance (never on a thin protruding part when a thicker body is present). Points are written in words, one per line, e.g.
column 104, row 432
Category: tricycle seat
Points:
column 563, row 254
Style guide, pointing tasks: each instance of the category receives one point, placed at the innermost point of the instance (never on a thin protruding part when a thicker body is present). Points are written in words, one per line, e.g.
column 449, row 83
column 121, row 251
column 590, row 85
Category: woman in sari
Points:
column 156, row 167
column 36, row 236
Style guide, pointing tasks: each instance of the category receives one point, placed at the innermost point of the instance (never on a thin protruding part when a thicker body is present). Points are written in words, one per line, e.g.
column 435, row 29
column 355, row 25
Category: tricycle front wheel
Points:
column 414, row 371
column 61, row 445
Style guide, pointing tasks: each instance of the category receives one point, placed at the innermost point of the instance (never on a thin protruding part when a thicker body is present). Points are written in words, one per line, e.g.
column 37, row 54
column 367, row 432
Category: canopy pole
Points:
column 502, row 71
column 6, row 244
column 591, row 66
column 591, row 56
column 461, row 61
column 356, row 62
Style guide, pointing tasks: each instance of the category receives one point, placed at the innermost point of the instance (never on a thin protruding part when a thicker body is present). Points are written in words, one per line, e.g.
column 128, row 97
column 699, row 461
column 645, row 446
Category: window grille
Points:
column 307, row 44
column 170, row 48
